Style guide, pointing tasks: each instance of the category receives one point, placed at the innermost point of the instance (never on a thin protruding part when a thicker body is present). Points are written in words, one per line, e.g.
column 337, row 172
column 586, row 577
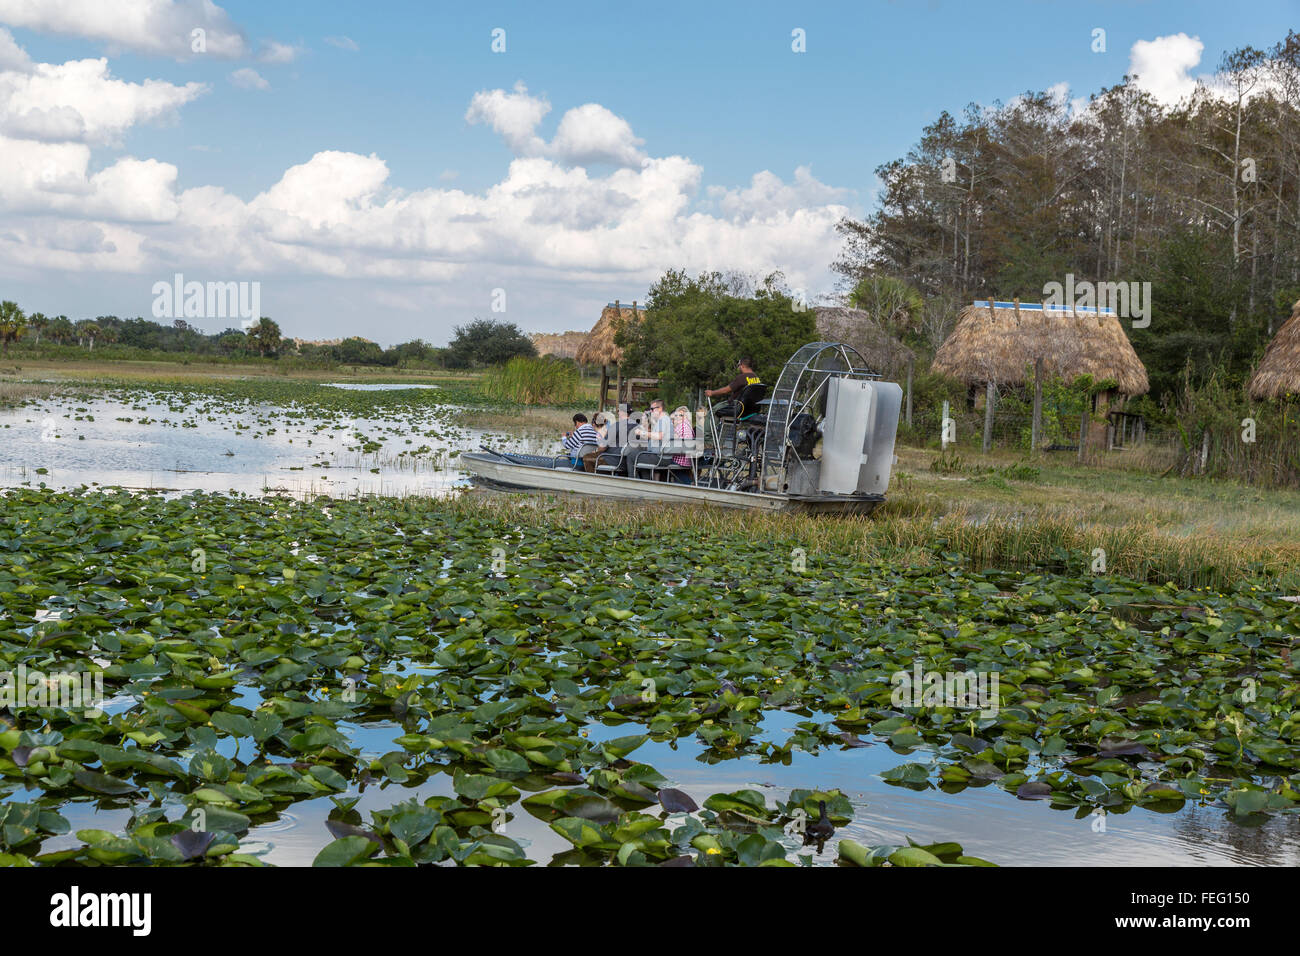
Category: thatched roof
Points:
column 599, row 349
column 1278, row 374
column 857, row 328
column 560, row 344
column 1000, row 346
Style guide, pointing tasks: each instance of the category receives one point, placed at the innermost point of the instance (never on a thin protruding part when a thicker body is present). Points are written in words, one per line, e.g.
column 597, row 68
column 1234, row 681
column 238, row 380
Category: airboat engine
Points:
column 858, row 443
column 830, row 427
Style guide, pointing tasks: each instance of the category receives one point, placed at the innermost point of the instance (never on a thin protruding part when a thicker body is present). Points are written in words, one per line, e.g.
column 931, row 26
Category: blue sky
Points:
column 404, row 216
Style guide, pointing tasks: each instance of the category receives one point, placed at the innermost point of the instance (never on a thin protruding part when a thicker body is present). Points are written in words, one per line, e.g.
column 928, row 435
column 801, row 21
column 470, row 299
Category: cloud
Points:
column 273, row 52
column 249, row 79
column 81, row 101
column 592, row 134
column 54, row 178
column 548, row 226
column 767, row 194
column 1163, row 66
column 12, row 56
column 343, row 43
column 586, row 134
column 513, row 116
column 154, row 27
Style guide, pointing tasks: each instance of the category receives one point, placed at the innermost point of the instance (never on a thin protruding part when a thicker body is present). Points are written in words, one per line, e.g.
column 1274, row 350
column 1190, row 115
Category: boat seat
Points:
column 611, row 462
column 659, row 462
column 583, row 450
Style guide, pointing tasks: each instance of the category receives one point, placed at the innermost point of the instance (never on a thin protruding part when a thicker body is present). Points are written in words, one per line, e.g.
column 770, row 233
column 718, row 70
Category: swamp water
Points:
column 144, row 441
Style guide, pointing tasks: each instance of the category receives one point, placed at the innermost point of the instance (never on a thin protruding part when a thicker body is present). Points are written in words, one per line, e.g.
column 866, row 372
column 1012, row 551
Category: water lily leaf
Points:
column 97, row 782
column 347, row 851
column 676, row 801
column 913, row 856
column 1034, row 790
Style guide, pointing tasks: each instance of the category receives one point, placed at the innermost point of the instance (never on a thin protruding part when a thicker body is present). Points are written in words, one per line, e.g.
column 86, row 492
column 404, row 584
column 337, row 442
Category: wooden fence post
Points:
column 943, row 429
column 1083, row 431
column 1036, row 438
column 910, row 363
column 990, row 400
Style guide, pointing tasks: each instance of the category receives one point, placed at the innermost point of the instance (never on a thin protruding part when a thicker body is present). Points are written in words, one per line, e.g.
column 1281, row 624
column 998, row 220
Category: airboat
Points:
column 822, row 441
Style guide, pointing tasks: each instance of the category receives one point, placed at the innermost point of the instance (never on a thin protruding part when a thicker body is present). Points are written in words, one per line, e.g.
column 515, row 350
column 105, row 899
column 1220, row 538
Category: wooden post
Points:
column 910, row 363
column 604, row 385
column 943, row 429
column 1205, row 449
column 618, row 390
column 1036, row 430
column 990, row 399
column 1083, row 431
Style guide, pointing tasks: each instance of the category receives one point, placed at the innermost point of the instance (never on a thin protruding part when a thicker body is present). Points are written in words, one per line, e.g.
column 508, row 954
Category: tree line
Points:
column 1201, row 199
column 480, row 343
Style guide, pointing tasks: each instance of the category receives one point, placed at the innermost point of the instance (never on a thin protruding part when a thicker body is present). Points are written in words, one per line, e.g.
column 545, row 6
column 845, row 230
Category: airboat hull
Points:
column 493, row 471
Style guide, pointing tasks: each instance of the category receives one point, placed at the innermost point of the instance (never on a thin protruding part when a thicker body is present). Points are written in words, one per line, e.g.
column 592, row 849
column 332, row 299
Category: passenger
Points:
column 685, row 436
column 618, row 442
column 582, row 434
column 745, row 375
column 600, row 424
column 654, row 434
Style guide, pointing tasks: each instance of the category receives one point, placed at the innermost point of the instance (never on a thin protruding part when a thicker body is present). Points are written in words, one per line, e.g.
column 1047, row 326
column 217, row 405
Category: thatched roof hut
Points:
column 1278, row 374
column 599, row 349
column 1000, row 345
column 857, row 328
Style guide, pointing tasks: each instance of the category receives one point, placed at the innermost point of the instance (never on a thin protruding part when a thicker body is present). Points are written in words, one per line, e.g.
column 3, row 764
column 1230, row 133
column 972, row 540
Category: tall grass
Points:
column 533, row 381
column 909, row 530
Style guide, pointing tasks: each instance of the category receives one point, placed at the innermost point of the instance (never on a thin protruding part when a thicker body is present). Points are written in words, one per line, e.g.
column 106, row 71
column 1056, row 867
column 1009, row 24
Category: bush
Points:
column 533, row 381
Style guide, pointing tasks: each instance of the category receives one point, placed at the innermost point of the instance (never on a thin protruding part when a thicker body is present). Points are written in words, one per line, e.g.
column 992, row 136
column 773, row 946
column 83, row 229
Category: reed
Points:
column 533, row 381
column 914, row 531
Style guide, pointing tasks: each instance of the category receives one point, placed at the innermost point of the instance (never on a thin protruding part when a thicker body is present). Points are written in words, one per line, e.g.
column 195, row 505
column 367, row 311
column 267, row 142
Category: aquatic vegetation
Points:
column 244, row 644
column 524, row 380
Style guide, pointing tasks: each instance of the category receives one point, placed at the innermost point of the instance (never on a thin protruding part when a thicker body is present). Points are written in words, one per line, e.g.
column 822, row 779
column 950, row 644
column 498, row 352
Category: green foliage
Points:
column 696, row 328
column 264, row 336
column 248, row 685
column 533, row 381
column 12, row 323
column 487, row 342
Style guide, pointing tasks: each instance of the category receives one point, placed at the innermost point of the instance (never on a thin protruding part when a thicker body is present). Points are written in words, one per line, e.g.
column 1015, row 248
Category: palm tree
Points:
column 38, row 321
column 61, row 330
column 84, row 332
column 893, row 304
column 12, row 323
column 265, row 336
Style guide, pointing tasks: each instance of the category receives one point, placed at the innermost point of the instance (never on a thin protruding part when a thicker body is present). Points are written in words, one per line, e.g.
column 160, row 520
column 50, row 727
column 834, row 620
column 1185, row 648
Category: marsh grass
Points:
column 533, row 381
column 550, row 420
column 16, row 393
column 912, row 530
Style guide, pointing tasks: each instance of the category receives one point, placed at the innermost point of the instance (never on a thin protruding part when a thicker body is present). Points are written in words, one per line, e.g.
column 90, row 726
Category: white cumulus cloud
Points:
column 154, row 27
column 249, row 79
column 81, row 100
column 1163, row 66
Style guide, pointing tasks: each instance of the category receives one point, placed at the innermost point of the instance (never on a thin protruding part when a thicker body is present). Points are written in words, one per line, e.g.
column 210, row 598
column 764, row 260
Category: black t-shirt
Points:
column 740, row 381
